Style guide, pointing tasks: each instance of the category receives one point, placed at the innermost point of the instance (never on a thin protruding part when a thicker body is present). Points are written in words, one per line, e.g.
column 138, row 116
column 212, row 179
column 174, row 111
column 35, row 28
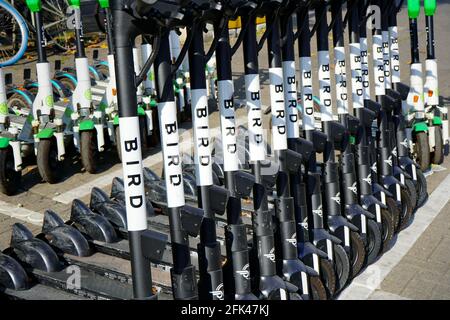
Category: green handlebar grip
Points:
column 413, row 8
column 104, row 3
column 430, row 7
column 74, row 3
column 34, row 5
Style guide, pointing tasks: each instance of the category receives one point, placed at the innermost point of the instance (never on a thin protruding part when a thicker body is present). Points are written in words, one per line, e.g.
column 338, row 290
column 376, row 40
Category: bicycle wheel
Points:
column 13, row 35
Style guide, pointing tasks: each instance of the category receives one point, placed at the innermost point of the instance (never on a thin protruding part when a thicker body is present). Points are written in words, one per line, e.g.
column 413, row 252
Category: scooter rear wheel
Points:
column 328, row 276
column 318, row 291
column 406, row 210
column 17, row 102
column 103, row 70
column 438, row 154
column 422, row 150
column 88, row 150
column 357, row 253
column 47, row 160
column 374, row 241
column 421, row 188
column 68, row 83
column 341, row 266
column 9, row 177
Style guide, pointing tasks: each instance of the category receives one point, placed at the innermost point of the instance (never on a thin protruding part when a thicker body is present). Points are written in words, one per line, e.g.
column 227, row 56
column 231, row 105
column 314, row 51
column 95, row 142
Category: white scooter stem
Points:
column 82, row 99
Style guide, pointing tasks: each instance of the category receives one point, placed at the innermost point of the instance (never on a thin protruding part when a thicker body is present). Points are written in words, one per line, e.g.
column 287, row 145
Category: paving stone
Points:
column 383, row 295
column 418, row 288
column 441, row 292
column 402, row 274
column 442, row 252
column 394, row 286
column 424, row 247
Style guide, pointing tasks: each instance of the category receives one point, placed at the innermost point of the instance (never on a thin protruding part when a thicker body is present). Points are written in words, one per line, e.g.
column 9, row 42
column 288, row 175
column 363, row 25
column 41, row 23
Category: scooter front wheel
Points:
column 438, row 154
column 422, row 150
column 118, row 146
column 406, row 210
column 388, row 218
column 357, row 253
column 412, row 192
column 421, row 188
column 328, row 276
column 9, row 177
column 88, row 150
column 374, row 241
column 47, row 161
column 341, row 266
column 318, row 291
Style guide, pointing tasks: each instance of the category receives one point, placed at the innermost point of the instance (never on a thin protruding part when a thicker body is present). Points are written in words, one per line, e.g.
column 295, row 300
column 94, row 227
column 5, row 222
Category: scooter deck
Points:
column 119, row 269
column 40, row 292
column 92, row 285
column 121, row 249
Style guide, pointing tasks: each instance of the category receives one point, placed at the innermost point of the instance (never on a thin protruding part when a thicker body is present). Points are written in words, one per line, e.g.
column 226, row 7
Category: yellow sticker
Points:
column 88, row 94
column 49, row 101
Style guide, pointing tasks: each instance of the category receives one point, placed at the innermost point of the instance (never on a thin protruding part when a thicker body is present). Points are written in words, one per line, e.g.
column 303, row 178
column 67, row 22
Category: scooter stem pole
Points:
column 40, row 37
column 132, row 157
column 211, row 276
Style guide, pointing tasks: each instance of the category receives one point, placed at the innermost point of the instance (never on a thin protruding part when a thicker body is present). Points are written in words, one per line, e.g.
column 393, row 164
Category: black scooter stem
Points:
column 429, row 22
column 40, row 37
column 365, row 115
column 184, row 284
column 290, row 267
column 331, row 178
column 314, row 195
column 237, row 278
column 109, row 30
column 211, row 278
column 268, row 283
column 132, row 156
column 79, row 36
column 262, row 216
column 347, row 158
column 414, row 35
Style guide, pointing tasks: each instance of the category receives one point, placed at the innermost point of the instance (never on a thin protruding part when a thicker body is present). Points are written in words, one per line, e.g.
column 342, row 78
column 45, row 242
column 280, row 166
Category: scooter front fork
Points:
column 16, row 148
column 98, row 120
column 149, row 120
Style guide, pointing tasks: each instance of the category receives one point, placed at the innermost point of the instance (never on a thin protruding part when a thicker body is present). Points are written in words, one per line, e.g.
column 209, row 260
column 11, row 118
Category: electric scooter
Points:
column 51, row 124
column 417, row 130
column 354, row 207
column 335, row 132
column 436, row 115
column 16, row 138
column 88, row 120
column 290, row 267
column 404, row 154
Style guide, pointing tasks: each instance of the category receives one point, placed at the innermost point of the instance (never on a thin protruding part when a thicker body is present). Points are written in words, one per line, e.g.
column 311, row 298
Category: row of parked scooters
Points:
column 74, row 110
column 296, row 218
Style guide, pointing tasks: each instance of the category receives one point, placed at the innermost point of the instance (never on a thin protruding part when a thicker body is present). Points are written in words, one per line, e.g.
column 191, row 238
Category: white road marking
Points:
column 363, row 286
column 19, row 213
column 105, row 180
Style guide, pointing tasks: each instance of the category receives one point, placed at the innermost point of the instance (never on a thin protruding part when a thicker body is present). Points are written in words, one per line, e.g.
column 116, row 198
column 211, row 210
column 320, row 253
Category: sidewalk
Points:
column 418, row 265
